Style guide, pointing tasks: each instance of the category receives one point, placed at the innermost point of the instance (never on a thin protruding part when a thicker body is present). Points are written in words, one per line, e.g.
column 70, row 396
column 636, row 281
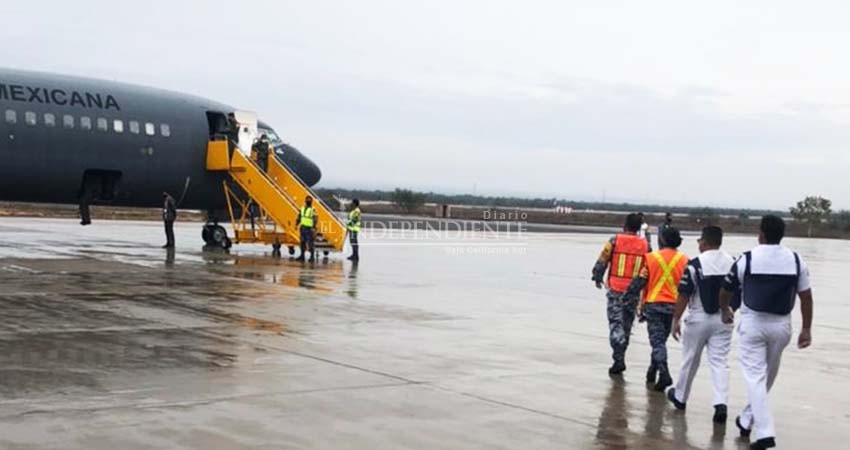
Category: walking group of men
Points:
column 658, row 287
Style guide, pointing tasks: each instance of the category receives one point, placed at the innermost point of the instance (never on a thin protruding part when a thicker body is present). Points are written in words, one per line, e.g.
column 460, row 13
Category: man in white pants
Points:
column 770, row 277
column 699, row 292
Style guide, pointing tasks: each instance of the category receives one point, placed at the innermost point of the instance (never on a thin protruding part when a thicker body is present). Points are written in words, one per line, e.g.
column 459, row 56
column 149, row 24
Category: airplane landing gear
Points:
column 216, row 236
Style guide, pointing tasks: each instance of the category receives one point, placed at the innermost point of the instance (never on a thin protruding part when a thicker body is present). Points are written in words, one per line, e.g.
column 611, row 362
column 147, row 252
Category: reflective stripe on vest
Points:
column 354, row 220
column 668, row 278
column 626, row 261
column 621, row 266
column 306, row 217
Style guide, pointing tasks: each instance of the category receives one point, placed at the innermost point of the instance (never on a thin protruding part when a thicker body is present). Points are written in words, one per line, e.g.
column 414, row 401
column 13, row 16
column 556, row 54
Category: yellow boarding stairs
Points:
column 275, row 197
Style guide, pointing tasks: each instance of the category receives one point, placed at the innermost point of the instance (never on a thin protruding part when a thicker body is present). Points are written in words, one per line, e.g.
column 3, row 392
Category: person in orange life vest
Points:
column 660, row 280
column 622, row 257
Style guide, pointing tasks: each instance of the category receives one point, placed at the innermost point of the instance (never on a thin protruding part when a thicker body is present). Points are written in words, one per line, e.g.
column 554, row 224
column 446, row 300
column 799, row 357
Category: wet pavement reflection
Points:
column 108, row 341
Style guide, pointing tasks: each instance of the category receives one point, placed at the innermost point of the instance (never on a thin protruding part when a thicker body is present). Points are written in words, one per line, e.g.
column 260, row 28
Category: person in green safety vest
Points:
column 307, row 222
column 354, row 229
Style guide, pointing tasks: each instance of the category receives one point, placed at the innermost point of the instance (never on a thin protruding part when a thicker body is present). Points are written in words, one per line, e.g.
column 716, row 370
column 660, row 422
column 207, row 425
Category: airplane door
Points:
column 248, row 132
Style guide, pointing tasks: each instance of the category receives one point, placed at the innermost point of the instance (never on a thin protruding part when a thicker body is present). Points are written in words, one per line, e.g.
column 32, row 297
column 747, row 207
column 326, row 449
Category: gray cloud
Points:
column 444, row 97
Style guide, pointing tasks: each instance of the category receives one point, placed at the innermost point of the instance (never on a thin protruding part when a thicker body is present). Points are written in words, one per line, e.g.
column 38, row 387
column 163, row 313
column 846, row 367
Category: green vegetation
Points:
column 812, row 211
column 409, row 201
column 812, row 216
column 545, row 203
column 840, row 221
column 706, row 216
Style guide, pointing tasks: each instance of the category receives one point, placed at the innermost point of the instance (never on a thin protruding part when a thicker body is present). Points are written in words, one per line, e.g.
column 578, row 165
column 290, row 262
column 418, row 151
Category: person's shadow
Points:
column 656, row 410
column 613, row 422
column 352, row 281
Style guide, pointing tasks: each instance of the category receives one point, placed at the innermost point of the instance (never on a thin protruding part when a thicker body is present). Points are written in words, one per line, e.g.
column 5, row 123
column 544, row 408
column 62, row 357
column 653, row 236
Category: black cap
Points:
column 671, row 237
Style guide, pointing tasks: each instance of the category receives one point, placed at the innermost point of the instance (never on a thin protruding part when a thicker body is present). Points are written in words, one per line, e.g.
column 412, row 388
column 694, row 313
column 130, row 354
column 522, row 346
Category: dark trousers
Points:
column 621, row 316
column 659, row 321
column 355, row 247
column 169, row 233
column 307, row 241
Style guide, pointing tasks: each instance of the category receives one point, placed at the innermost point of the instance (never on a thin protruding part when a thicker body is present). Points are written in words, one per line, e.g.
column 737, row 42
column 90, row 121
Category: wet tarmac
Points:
column 452, row 342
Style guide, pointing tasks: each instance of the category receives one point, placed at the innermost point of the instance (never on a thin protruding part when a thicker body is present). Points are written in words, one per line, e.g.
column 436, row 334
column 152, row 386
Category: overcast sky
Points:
column 710, row 103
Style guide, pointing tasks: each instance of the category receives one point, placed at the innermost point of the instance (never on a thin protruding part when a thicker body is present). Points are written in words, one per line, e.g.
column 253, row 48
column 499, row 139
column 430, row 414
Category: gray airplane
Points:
column 83, row 141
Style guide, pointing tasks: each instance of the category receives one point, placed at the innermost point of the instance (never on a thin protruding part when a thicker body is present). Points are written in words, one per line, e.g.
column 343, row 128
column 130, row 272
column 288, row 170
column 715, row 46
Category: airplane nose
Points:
column 306, row 169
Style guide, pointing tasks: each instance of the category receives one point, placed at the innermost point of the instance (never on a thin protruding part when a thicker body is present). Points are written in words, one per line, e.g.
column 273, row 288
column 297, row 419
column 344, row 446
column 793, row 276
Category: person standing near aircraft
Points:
column 353, row 227
column 307, row 223
column 261, row 149
column 622, row 257
column 660, row 277
column 770, row 277
column 668, row 222
column 169, row 215
column 699, row 293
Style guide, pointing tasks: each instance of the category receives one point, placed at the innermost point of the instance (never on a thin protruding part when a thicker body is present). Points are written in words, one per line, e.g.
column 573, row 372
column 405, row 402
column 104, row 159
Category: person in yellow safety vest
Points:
column 353, row 227
column 622, row 257
column 307, row 222
column 659, row 280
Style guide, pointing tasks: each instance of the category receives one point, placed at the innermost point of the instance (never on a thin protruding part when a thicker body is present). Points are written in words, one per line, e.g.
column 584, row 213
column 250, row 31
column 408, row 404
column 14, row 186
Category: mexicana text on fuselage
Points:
column 53, row 96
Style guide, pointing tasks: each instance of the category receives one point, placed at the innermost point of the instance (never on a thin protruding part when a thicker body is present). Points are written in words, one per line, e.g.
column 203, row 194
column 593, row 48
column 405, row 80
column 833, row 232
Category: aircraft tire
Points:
column 206, row 234
column 215, row 235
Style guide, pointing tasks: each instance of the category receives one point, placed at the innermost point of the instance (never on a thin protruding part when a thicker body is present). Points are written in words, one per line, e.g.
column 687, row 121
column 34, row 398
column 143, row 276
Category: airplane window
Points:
column 118, row 126
column 68, row 121
column 30, row 118
column 11, row 116
column 150, row 129
column 50, row 120
column 85, row 123
column 102, row 124
column 165, row 129
column 134, row 127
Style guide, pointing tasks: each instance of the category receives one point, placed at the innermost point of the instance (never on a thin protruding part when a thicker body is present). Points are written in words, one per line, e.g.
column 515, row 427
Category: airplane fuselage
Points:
column 56, row 131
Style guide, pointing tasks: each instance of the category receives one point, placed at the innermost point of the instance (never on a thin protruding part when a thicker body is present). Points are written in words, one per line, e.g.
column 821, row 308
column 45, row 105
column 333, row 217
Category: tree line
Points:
column 409, row 200
column 813, row 212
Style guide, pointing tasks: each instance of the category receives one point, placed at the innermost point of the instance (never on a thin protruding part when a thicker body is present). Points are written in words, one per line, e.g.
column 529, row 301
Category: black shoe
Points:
column 168, row 246
column 617, row 368
column 745, row 432
column 651, row 374
column 719, row 414
column 763, row 444
column 664, row 380
column 300, row 258
column 353, row 258
column 671, row 395
column 85, row 222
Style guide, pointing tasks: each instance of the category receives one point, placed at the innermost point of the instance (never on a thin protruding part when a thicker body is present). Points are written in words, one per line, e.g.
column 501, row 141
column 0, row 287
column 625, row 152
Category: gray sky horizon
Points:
column 720, row 104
